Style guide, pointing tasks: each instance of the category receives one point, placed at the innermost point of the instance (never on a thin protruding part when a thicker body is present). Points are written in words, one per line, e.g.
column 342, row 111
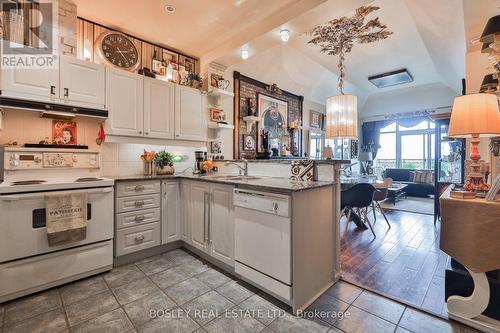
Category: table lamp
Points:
column 474, row 116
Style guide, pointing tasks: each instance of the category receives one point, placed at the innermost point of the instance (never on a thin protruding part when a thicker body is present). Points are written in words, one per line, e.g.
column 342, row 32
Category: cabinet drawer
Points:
column 125, row 189
column 138, row 217
column 137, row 238
column 128, row 204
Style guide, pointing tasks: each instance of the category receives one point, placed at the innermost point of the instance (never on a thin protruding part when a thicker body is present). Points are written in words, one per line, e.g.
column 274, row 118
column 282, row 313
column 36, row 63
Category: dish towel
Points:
column 66, row 217
column 303, row 171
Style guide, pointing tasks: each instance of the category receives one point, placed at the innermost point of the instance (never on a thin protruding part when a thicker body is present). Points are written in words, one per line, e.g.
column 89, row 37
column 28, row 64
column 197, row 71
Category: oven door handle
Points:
column 27, row 196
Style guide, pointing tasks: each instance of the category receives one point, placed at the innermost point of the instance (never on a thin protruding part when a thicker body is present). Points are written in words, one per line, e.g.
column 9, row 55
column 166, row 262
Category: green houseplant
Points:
column 164, row 162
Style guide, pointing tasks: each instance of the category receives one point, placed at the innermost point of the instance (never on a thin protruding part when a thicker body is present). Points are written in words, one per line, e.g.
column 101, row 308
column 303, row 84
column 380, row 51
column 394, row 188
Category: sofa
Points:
column 405, row 176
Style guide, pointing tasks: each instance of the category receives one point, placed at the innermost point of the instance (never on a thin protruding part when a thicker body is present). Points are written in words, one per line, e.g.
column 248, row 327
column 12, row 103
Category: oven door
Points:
column 22, row 222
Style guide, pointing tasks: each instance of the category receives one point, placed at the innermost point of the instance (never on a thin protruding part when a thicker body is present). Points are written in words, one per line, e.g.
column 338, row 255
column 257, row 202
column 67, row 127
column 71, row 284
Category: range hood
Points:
column 52, row 110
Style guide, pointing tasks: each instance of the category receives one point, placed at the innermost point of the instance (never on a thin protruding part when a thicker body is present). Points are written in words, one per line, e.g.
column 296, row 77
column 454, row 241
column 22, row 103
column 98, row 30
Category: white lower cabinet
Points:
column 137, row 216
column 170, row 212
column 211, row 220
column 196, row 212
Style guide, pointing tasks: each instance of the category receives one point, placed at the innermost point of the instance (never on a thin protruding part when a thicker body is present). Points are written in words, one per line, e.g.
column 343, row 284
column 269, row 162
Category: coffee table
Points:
column 396, row 192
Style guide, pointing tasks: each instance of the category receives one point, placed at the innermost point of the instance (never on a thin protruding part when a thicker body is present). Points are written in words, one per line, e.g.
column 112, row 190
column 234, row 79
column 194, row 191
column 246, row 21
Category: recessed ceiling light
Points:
column 169, row 8
column 285, row 35
column 244, row 54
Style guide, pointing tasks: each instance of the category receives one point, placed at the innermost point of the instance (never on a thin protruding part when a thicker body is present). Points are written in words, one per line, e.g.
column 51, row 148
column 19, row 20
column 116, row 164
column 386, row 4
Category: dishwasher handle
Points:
column 269, row 203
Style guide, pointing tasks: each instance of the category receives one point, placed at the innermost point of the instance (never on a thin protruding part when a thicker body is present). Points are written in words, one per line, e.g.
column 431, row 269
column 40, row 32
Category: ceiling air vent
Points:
column 393, row 78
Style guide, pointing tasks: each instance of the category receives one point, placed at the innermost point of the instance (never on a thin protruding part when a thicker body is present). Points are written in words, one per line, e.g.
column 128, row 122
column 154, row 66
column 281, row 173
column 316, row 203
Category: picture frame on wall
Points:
column 64, row 132
column 217, row 115
column 248, row 142
column 316, row 120
column 190, row 65
column 273, row 110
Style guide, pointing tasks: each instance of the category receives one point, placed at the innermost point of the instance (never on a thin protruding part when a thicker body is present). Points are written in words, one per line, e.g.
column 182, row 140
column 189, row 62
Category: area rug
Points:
column 411, row 204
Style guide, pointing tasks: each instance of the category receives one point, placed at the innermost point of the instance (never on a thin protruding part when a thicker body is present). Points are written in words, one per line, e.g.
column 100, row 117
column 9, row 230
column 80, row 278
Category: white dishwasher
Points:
column 263, row 237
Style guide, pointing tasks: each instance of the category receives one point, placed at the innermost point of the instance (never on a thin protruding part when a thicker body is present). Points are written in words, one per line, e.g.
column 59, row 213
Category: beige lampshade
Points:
column 475, row 114
column 342, row 117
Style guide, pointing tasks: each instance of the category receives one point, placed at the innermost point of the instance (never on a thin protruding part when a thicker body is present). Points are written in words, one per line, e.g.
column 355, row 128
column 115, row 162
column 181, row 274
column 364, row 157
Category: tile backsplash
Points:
column 122, row 159
column 118, row 159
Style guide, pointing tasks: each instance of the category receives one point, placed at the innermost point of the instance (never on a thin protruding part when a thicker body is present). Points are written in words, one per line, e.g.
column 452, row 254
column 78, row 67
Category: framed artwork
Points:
column 190, row 65
column 215, row 147
column 316, row 119
column 214, row 80
column 248, row 142
column 273, row 110
column 64, row 132
column 217, row 115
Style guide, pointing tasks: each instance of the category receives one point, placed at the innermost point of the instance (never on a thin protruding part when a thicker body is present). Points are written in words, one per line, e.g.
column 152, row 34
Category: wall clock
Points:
column 118, row 50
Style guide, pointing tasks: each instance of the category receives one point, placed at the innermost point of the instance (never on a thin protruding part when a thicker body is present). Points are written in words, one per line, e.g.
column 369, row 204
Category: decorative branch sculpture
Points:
column 337, row 37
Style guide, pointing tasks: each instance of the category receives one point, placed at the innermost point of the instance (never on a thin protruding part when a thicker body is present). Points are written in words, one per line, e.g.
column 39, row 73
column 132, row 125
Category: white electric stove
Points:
column 27, row 263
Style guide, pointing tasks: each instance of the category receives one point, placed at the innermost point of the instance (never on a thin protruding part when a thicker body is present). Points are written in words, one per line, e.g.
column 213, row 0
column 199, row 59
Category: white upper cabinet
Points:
column 32, row 84
column 82, row 82
column 158, row 109
column 124, row 101
column 190, row 115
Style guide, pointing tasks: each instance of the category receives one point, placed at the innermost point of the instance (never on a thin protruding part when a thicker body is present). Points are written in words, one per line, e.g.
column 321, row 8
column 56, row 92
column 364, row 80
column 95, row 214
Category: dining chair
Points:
column 358, row 198
column 379, row 195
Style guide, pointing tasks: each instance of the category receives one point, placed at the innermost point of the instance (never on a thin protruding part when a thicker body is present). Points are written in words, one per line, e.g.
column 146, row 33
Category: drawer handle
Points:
column 275, row 206
column 139, row 218
column 139, row 203
column 139, row 188
column 139, row 238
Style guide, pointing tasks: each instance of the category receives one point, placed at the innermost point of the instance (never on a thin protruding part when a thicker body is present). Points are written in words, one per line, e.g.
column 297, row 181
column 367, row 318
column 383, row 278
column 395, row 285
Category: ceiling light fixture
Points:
column 244, row 54
column 337, row 37
column 169, row 8
column 285, row 35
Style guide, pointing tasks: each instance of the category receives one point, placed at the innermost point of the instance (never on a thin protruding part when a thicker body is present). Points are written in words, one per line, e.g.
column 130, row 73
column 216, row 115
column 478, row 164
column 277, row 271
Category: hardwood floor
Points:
column 403, row 262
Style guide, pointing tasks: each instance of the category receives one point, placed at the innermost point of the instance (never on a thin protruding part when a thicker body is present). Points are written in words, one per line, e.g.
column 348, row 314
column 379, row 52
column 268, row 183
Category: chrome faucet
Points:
column 241, row 169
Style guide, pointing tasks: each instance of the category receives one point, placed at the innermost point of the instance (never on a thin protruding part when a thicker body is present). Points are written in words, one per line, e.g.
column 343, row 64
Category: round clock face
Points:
column 119, row 51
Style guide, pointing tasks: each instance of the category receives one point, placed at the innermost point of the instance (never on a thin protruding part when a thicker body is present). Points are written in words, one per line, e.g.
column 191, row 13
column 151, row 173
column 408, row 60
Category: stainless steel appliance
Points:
column 199, row 157
column 27, row 263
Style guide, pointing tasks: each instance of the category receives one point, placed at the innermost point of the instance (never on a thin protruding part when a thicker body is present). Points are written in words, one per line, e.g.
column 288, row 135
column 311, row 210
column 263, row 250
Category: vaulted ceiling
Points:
column 430, row 40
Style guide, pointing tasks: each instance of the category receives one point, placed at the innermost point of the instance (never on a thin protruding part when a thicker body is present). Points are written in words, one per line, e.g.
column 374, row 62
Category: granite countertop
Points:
column 288, row 161
column 253, row 182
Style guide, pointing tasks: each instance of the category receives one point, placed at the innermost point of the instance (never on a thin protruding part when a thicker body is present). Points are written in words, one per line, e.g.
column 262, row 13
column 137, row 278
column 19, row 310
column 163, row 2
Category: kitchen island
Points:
column 277, row 234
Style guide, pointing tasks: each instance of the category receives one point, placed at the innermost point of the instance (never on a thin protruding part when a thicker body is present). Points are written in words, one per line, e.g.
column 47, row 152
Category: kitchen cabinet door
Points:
column 158, row 109
column 82, row 82
column 124, row 101
column 221, row 231
column 199, row 214
column 185, row 216
column 170, row 212
column 33, row 84
column 190, row 116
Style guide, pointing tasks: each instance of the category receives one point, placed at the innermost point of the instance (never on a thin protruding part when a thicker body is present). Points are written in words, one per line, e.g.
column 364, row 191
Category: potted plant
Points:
column 194, row 80
column 164, row 162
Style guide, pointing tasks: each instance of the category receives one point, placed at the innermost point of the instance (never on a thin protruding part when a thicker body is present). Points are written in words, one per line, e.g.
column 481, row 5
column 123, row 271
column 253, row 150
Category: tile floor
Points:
column 178, row 292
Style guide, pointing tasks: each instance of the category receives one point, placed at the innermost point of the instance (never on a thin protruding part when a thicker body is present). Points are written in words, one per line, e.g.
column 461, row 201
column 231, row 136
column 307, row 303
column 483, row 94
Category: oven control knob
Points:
column 37, row 160
column 92, row 161
column 75, row 159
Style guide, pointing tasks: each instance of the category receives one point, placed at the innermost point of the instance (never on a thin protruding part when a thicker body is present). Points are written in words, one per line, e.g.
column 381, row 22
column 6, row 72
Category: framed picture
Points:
column 190, row 65
column 217, row 115
column 273, row 110
column 316, row 119
column 214, row 80
column 215, row 147
column 248, row 142
column 64, row 132
column 170, row 57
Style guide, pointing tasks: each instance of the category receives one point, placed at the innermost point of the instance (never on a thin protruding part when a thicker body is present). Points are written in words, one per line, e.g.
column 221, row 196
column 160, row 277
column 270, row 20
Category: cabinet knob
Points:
column 66, row 92
column 140, row 132
column 147, row 133
column 139, row 188
column 139, row 238
column 139, row 203
column 52, row 90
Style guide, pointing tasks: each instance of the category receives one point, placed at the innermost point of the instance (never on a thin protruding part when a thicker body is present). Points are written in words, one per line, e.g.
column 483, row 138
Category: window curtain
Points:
column 412, row 121
column 371, row 134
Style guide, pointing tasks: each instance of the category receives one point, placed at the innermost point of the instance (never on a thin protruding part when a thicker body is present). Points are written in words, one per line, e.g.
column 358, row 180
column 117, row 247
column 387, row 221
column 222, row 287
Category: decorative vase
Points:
column 166, row 170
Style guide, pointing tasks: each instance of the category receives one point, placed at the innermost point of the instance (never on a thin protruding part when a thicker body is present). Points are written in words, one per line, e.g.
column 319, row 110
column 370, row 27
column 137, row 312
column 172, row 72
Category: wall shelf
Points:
column 214, row 125
column 250, row 120
column 219, row 92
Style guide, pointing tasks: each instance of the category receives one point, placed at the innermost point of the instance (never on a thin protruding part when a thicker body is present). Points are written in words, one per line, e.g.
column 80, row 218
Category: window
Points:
column 410, row 147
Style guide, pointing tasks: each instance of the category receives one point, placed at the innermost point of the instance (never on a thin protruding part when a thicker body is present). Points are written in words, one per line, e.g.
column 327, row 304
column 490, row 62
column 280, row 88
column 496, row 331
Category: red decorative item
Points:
column 101, row 136
column 64, row 132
